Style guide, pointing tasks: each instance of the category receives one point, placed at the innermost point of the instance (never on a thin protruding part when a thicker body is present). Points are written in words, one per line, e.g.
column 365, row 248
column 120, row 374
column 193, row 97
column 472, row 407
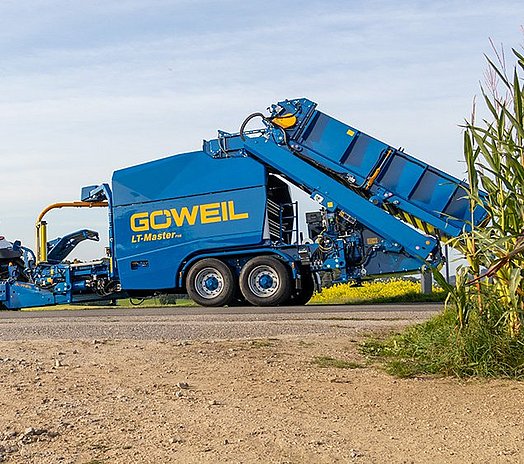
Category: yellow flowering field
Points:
column 384, row 291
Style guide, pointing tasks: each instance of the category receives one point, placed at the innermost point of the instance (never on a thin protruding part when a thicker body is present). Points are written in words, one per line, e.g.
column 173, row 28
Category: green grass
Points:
column 304, row 344
column 260, row 343
column 328, row 361
column 406, row 298
column 435, row 297
column 438, row 347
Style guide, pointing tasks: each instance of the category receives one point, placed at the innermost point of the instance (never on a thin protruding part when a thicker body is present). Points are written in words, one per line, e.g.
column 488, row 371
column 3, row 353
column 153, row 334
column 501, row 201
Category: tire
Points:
column 302, row 296
column 210, row 282
column 265, row 281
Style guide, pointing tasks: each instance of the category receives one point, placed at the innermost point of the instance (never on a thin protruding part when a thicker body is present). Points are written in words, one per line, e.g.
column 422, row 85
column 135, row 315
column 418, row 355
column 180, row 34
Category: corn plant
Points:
column 492, row 282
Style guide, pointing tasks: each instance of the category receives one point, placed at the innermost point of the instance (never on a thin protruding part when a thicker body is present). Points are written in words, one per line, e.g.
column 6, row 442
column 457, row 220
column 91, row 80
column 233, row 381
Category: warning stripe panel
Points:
column 412, row 220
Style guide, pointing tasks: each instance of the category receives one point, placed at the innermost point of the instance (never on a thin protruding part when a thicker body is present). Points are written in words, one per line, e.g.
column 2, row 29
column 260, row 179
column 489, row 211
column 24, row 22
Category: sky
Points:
column 88, row 87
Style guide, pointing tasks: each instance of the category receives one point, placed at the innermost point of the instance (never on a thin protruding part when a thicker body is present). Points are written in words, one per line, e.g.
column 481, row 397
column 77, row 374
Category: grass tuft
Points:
column 438, row 347
column 328, row 361
column 260, row 343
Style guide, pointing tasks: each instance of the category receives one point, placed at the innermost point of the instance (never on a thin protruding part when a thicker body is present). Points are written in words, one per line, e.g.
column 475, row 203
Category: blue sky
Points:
column 91, row 86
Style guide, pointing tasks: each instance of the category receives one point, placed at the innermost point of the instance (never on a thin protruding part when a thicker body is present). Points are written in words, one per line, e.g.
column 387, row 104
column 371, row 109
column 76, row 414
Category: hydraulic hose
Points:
column 246, row 122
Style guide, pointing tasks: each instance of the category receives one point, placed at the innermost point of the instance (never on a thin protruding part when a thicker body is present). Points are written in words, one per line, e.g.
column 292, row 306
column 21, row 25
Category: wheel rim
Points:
column 209, row 283
column 263, row 281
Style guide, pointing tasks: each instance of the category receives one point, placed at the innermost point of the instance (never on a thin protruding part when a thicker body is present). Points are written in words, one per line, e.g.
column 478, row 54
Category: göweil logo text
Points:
column 166, row 218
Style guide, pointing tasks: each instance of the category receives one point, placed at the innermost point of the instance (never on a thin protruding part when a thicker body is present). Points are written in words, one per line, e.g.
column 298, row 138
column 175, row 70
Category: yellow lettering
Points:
column 139, row 222
column 210, row 212
column 185, row 215
column 164, row 219
column 234, row 216
column 224, row 210
column 161, row 225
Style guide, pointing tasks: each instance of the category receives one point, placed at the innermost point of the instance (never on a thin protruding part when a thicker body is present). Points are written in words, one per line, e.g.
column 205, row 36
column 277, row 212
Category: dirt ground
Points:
column 242, row 401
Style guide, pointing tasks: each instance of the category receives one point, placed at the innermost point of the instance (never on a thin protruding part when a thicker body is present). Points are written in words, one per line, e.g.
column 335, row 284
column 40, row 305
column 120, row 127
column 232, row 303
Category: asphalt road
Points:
column 187, row 323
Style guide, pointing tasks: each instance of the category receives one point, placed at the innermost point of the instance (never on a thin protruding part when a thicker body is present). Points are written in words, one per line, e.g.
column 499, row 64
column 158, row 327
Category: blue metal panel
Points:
column 182, row 175
column 168, row 232
column 323, row 136
column 401, row 175
column 364, row 154
column 381, row 264
column 150, row 256
column 25, row 295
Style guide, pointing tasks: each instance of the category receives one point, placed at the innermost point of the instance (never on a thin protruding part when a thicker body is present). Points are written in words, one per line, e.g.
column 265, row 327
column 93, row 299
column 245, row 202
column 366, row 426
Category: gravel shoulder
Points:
column 237, row 397
column 194, row 323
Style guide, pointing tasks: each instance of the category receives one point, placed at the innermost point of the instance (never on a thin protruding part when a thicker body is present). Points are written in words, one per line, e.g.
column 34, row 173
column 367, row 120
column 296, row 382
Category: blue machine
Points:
column 220, row 223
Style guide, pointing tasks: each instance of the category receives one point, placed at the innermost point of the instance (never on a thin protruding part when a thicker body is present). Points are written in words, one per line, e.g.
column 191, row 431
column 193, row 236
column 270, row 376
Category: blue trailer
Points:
column 220, row 223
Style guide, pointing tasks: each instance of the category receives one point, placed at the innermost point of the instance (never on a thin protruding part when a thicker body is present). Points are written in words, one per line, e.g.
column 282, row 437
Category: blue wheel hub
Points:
column 265, row 281
column 211, row 283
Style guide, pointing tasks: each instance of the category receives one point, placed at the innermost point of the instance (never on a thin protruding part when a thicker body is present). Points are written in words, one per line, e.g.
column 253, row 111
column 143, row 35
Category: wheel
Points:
column 265, row 281
column 210, row 282
column 302, row 296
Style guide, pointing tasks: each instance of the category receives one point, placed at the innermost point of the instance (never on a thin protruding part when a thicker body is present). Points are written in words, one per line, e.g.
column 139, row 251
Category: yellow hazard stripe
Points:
column 412, row 220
